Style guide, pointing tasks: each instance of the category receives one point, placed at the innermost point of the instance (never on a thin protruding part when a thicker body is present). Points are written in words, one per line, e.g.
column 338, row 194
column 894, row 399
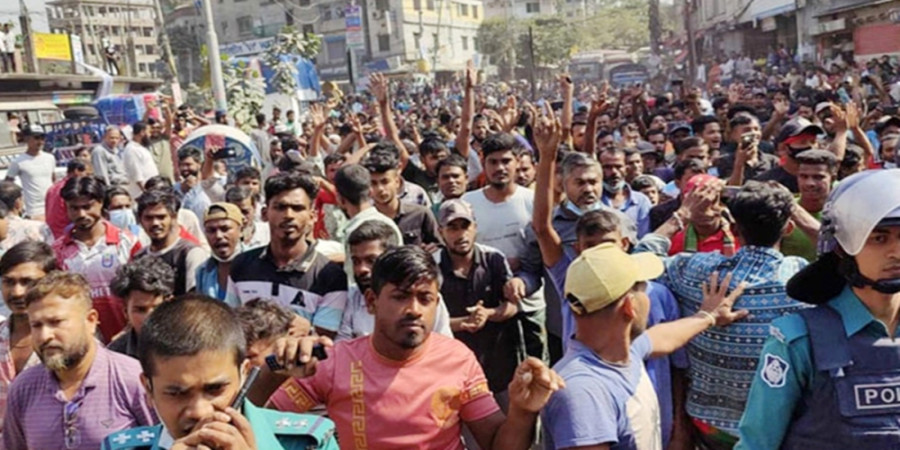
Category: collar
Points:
column 768, row 251
column 446, row 262
column 112, row 236
column 404, row 209
column 299, row 264
column 606, row 198
column 854, row 314
column 166, row 441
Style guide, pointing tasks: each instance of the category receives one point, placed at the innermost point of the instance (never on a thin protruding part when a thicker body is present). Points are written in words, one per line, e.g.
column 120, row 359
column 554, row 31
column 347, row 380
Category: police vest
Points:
column 855, row 399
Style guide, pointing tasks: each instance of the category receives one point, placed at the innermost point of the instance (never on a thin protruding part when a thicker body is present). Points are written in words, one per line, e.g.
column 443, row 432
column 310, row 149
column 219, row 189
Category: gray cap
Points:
column 454, row 209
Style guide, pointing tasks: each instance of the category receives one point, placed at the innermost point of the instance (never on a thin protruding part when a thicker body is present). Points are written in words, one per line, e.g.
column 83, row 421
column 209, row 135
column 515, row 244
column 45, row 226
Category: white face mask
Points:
column 122, row 218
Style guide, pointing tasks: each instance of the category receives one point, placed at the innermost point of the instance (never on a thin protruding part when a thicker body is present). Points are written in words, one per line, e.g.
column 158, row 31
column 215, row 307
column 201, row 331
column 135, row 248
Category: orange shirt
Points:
column 381, row 403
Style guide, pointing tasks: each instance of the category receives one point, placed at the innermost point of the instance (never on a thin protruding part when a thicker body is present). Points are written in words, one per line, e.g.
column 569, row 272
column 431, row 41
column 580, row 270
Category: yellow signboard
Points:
column 52, row 46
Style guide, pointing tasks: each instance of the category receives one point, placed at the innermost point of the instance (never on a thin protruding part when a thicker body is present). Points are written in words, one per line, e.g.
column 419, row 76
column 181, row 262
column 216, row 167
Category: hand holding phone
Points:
column 318, row 352
column 248, row 383
column 298, row 356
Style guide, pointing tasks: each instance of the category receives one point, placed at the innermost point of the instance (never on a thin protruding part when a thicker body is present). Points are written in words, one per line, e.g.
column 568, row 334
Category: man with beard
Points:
column 609, row 401
column 416, row 222
column 158, row 214
column 367, row 243
column 139, row 164
column 453, row 179
column 435, row 383
column 83, row 391
column 94, row 248
column 222, row 224
column 107, row 158
column 526, row 170
column 815, row 175
column 289, row 270
column 20, row 267
column 617, row 193
column 255, row 233
column 193, row 196
column 474, row 280
column 503, row 212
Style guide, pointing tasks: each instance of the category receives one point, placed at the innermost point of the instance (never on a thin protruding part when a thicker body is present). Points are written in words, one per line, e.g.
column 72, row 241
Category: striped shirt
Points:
column 8, row 366
column 723, row 360
column 109, row 399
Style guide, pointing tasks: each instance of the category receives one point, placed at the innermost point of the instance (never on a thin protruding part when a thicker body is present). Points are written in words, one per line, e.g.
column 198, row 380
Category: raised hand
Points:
column 852, row 116
column 532, row 385
column 781, row 107
column 547, row 133
column 317, row 116
column 378, row 86
column 839, row 117
column 565, row 83
column 471, row 75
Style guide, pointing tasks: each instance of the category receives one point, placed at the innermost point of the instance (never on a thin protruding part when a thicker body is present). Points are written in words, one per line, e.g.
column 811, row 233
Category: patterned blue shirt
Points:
column 723, row 360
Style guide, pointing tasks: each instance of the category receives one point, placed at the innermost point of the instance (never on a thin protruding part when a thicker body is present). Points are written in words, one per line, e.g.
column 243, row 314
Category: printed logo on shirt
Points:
column 445, row 405
column 877, row 395
column 774, row 372
column 357, row 394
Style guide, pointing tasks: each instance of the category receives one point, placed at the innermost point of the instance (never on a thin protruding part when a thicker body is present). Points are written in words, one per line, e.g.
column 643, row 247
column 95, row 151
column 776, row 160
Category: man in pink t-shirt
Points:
column 404, row 386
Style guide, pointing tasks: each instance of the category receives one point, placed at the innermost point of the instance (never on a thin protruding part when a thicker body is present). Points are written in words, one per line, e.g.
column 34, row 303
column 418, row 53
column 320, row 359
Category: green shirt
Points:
column 770, row 409
column 798, row 243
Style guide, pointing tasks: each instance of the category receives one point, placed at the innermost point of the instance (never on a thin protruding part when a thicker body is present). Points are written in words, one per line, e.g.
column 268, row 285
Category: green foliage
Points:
column 245, row 90
column 289, row 41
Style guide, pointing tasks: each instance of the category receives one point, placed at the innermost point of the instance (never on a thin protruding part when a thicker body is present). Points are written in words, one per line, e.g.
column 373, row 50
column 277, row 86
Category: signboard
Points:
column 246, row 48
column 353, row 23
column 52, row 46
column 77, row 53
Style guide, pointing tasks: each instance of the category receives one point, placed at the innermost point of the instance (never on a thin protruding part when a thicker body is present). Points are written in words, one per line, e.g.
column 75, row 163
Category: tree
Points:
column 655, row 27
column 289, row 43
column 245, row 90
column 498, row 41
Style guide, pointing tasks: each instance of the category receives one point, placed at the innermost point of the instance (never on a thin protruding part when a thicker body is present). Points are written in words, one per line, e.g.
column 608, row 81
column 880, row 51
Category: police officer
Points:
column 193, row 354
column 829, row 376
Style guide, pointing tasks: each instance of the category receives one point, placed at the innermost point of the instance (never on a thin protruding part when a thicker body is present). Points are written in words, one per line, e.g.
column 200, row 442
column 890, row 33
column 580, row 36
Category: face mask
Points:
column 122, row 218
column 614, row 187
column 580, row 212
column 237, row 251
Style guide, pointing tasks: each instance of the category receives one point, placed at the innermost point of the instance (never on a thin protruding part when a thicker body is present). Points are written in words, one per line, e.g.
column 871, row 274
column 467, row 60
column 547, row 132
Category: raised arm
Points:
column 598, row 108
column 568, row 93
column 317, row 118
column 547, row 136
column 378, row 84
column 468, row 113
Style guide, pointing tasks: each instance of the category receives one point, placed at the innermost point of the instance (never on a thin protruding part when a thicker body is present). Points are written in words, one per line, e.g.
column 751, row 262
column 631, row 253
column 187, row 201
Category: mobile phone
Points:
column 730, row 191
column 318, row 352
column 747, row 139
column 225, row 153
column 677, row 82
column 889, row 110
column 242, row 394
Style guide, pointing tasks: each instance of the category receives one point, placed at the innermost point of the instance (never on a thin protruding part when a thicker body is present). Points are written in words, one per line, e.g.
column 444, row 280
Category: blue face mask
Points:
column 614, row 187
column 580, row 212
column 122, row 218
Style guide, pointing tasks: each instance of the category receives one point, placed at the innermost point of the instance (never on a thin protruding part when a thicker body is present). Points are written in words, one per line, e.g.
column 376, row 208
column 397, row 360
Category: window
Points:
column 336, row 50
column 325, row 12
column 245, row 25
column 382, row 5
column 475, row 11
column 465, row 42
column 150, row 50
column 475, row 44
column 224, row 26
column 384, row 42
column 142, row 67
column 417, row 5
column 429, row 4
column 463, row 10
column 533, row 8
column 308, row 29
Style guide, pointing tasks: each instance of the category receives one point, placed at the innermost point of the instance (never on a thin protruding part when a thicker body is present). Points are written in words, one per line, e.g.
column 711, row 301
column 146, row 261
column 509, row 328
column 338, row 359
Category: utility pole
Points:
column 164, row 37
column 215, row 60
column 533, row 64
column 692, row 53
column 29, row 59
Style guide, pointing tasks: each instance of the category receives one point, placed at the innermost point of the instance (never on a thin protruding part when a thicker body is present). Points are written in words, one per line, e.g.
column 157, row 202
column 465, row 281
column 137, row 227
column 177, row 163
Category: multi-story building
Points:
column 127, row 24
column 525, row 9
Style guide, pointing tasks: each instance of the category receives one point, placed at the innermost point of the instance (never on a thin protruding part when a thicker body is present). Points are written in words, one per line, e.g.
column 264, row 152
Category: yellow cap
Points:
column 603, row 274
column 224, row 210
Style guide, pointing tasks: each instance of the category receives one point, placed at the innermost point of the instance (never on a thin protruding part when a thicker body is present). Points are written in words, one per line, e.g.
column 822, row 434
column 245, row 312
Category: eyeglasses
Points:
column 70, row 421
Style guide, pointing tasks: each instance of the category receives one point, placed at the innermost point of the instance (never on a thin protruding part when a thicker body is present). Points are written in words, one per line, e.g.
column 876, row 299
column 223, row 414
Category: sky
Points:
column 9, row 11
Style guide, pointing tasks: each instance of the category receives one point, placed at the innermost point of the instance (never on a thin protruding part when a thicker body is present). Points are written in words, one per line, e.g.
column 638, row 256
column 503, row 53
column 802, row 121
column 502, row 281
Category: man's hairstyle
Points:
column 498, row 142
column 148, row 274
column 114, row 191
column 692, row 164
column 642, row 182
column 853, row 155
column 76, row 165
column 719, row 102
column 742, row 120
column 432, row 146
column 613, row 151
column 453, row 160
column 158, row 182
column 655, row 131
column 260, row 119
column 190, row 152
column 374, row 230
column 404, row 267
column 4, row 211
column 381, row 159
column 110, row 129
column 24, row 252
column 285, row 182
column 699, row 124
column 687, row 143
column 818, row 157
column 66, row 285
column 10, row 192
column 237, row 194
column 93, row 188
column 189, row 325
column 761, row 210
column 597, row 222
column 158, row 197
column 353, row 183
column 577, row 160
column 138, row 127
column 247, row 172
column 334, row 158
column 263, row 319
column 603, row 133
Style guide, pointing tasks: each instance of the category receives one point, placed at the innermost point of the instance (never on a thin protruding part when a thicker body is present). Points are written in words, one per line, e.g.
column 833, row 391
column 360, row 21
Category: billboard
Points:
column 52, row 46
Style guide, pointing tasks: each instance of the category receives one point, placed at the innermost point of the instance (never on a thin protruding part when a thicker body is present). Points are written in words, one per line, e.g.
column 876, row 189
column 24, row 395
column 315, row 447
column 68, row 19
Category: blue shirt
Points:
column 636, row 207
column 207, row 282
column 723, row 360
column 770, row 409
column 195, row 200
column 594, row 407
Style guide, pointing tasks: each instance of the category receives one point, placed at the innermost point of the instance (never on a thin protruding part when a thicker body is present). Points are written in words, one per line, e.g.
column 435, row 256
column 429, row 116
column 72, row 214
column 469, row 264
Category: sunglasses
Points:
column 70, row 421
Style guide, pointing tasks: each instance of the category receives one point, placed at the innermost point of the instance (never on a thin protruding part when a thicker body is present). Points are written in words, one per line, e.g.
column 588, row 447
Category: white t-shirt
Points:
column 139, row 167
column 37, row 177
column 502, row 225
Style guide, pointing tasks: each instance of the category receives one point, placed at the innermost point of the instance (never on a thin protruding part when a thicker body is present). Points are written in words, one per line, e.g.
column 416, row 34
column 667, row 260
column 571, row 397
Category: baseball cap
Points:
column 698, row 180
column 603, row 274
column 822, row 106
column 677, row 126
column 33, row 130
column 453, row 209
column 851, row 212
column 796, row 127
column 883, row 123
column 223, row 210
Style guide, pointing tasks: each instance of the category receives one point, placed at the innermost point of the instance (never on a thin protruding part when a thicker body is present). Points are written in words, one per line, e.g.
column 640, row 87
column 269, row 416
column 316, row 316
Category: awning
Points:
column 854, row 5
column 763, row 9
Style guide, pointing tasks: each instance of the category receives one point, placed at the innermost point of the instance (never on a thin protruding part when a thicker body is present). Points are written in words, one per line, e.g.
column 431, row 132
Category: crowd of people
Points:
column 461, row 266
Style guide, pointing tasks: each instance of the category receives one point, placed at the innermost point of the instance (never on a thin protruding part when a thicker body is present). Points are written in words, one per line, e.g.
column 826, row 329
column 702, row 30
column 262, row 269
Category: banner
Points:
column 353, row 23
column 52, row 46
column 77, row 53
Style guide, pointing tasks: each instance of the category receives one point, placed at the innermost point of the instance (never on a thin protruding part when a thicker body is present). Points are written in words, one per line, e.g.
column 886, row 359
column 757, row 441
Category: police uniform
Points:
column 272, row 430
column 829, row 376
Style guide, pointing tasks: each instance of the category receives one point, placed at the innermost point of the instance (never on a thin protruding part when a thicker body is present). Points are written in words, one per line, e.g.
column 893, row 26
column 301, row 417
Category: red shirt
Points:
column 713, row 243
column 55, row 213
column 325, row 197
